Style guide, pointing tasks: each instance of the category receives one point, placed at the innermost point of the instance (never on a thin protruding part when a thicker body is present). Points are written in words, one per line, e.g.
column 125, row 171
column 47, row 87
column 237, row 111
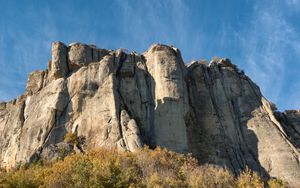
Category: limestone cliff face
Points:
column 125, row 100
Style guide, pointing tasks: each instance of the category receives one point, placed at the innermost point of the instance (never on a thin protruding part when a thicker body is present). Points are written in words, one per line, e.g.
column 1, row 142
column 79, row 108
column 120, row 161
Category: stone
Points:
column 57, row 151
column 79, row 55
column 35, row 82
column 290, row 122
column 167, row 81
column 130, row 132
column 121, row 100
column 234, row 126
column 59, row 65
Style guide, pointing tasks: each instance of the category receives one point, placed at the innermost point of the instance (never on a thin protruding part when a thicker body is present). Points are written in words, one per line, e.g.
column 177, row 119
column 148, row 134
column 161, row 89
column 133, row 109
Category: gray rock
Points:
column 166, row 78
column 79, row 55
column 35, row 82
column 130, row 132
column 59, row 64
column 57, row 151
column 117, row 100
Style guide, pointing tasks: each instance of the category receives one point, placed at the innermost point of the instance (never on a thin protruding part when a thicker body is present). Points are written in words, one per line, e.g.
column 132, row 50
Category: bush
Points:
column 71, row 138
column 277, row 183
column 145, row 168
column 249, row 179
column 210, row 176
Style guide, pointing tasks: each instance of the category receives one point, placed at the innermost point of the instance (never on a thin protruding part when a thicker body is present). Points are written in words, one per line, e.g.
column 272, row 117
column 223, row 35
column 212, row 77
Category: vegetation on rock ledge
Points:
column 145, row 168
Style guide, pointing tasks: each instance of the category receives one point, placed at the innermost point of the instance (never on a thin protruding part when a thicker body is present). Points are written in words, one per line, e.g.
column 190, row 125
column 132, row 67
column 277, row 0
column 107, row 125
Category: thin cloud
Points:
column 261, row 40
column 147, row 22
column 293, row 4
column 265, row 44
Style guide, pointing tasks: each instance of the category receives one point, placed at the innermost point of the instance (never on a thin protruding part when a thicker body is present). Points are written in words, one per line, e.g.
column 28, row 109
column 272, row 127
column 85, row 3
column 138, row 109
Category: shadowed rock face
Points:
column 119, row 100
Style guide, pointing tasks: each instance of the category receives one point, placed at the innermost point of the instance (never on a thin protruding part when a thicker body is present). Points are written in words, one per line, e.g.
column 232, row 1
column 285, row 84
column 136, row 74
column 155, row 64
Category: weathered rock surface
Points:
column 119, row 100
column 59, row 64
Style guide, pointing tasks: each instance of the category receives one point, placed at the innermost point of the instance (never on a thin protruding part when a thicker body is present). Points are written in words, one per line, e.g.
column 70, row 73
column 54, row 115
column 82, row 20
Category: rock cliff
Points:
column 125, row 100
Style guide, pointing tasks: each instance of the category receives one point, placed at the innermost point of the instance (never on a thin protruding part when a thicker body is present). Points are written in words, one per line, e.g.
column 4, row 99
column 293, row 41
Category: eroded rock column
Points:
column 167, row 72
column 59, row 63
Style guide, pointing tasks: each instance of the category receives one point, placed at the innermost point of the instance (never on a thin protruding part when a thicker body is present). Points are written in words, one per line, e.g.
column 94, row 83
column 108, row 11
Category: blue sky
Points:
column 261, row 37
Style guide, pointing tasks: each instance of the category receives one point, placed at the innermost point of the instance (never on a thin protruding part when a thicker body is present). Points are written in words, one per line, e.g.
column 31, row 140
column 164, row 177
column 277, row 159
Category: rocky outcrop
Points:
column 238, row 127
column 125, row 100
column 167, row 74
column 59, row 64
column 290, row 121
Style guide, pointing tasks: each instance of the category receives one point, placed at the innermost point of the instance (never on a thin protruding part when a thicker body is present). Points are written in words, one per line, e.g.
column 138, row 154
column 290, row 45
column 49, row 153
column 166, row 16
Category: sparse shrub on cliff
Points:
column 249, row 179
column 145, row 168
column 71, row 138
column 62, row 153
column 277, row 183
column 209, row 176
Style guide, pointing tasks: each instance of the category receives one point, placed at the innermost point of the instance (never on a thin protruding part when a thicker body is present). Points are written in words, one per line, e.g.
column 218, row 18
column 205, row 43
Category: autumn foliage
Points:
column 145, row 168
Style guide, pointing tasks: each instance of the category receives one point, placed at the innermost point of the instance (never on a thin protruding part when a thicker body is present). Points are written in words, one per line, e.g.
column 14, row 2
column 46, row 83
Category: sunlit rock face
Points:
column 127, row 100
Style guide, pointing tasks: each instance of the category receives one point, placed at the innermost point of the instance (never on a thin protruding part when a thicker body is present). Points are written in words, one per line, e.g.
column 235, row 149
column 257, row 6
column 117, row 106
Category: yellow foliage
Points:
column 277, row 183
column 71, row 138
column 145, row 168
column 249, row 179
